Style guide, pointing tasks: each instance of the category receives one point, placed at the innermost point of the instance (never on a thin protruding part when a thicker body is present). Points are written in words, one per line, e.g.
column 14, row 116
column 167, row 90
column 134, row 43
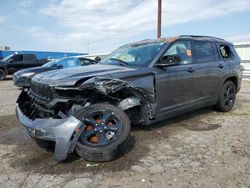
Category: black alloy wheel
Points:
column 227, row 97
column 106, row 135
column 103, row 126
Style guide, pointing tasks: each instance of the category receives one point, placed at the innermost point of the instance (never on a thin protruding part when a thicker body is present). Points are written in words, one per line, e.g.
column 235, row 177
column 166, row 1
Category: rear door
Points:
column 209, row 69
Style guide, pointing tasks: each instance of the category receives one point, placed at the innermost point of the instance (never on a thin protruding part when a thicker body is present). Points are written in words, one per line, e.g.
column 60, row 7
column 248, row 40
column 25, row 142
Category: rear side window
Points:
column 28, row 58
column 225, row 52
column 203, row 51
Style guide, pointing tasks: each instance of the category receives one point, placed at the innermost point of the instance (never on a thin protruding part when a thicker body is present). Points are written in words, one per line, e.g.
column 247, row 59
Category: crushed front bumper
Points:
column 64, row 132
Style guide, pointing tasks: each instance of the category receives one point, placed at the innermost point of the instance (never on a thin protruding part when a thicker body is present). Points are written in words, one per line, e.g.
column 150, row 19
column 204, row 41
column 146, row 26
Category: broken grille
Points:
column 42, row 91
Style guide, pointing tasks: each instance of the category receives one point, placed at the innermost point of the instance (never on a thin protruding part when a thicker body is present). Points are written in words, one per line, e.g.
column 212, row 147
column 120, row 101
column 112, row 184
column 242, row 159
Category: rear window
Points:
column 203, row 51
column 225, row 52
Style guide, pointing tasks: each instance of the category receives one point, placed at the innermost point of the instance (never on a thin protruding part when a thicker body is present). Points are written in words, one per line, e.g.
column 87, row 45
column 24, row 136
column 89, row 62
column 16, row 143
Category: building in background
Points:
column 5, row 51
column 4, row 48
column 243, row 49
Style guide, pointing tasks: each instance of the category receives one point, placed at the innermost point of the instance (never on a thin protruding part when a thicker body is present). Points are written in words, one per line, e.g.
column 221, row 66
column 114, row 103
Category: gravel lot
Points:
column 199, row 149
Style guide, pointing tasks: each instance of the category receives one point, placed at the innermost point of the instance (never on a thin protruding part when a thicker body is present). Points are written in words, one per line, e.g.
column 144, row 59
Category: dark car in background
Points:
column 15, row 62
column 91, row 109
column 23, row 77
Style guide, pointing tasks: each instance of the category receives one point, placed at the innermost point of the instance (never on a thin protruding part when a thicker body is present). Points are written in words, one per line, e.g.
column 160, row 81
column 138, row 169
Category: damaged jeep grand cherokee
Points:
column 89, row 110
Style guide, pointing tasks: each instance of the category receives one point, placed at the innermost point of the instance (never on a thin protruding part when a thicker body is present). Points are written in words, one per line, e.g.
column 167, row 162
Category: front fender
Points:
column 142, row 87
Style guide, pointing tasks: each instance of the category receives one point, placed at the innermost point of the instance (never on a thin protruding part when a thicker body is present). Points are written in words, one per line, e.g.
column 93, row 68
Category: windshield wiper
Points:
column 124, row 63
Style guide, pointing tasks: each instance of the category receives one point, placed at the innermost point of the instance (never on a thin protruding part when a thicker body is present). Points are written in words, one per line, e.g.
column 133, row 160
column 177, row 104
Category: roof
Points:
column 77, row 56
column 174, row 38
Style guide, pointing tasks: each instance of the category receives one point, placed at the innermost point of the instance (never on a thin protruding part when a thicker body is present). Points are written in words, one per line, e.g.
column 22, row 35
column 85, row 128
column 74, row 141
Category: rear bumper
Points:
column 61, row 131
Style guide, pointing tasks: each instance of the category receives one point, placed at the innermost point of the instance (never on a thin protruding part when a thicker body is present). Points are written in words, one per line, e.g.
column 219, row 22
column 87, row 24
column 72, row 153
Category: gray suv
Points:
column 91, row 109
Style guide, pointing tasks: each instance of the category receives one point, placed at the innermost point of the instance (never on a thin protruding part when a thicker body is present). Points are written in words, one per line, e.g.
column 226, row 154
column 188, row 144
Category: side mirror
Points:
column 169, row 61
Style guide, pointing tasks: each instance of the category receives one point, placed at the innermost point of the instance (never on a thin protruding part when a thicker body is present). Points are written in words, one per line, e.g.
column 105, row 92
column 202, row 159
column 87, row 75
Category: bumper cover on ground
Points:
column 61, row 131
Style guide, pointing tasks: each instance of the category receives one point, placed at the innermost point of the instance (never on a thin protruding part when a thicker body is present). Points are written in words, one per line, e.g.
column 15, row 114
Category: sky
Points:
column 100, row 26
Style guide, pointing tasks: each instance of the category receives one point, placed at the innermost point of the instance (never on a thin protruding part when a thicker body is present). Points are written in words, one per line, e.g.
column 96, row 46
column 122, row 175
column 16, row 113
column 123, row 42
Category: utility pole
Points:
column 159, row 19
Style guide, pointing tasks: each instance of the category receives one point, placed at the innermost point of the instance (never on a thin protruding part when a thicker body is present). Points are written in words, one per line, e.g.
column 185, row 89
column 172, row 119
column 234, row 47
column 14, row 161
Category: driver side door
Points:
column 176, row 83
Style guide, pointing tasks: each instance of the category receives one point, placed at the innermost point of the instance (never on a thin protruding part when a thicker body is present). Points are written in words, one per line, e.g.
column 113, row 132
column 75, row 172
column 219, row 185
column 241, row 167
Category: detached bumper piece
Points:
column 64, row 132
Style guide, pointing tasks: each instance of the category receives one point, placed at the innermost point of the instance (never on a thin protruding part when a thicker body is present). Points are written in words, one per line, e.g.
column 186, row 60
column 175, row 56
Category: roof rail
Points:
column 200, row 36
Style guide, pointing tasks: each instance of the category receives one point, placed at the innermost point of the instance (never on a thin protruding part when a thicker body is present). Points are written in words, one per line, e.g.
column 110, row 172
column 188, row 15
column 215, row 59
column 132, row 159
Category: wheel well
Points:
column 234, row 80
column 133, row 109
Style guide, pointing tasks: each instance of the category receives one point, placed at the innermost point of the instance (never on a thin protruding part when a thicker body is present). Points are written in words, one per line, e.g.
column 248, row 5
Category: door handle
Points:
column 220, row 66
column 190, row 69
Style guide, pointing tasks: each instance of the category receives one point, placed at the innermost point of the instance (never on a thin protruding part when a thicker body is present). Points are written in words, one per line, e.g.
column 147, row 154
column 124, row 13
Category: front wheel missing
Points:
column 106, row 133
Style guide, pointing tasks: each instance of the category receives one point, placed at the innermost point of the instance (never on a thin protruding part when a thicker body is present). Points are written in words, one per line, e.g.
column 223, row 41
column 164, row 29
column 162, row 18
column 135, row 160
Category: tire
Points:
column 2, row 75
column 98, row 148
column 227, row 97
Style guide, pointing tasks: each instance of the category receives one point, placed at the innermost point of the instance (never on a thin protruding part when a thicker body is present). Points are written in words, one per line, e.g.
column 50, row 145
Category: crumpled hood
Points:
column 70, row 76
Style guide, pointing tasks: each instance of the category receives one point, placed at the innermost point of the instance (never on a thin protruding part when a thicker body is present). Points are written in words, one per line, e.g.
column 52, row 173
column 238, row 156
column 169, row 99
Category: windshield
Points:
column 7, row 57
column 64, row 63
column 133, row 55
column 51, row 63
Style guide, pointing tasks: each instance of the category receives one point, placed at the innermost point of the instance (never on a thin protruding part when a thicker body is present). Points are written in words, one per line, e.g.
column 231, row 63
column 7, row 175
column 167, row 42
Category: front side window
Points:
column 225, row 52
column 181, row 49
column 203, row 51
column 67, row 63
column 18, row 58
